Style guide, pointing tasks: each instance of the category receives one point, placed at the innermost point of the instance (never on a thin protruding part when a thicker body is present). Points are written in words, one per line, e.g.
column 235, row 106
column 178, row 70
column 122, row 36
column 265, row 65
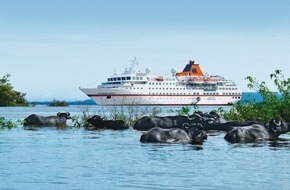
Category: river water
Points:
column 51, row 158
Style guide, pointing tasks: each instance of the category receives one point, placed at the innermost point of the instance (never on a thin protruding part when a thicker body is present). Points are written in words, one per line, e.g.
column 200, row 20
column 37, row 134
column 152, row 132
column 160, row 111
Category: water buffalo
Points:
column 189, row 133
column 146, row 123
column 257, row 131
column 210, row 121
column 100, row 123
column 41, row 121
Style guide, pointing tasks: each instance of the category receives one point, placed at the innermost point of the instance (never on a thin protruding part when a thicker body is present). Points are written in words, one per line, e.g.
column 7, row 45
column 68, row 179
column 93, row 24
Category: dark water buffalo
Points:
column 256, row 131
column 41, row 121
column 146, row 123
column 189, row 133
column 100, row 123
column 210, row 121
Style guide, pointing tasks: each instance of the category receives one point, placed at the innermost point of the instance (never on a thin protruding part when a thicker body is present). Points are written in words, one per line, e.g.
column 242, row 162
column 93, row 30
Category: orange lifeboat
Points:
column 159, row 78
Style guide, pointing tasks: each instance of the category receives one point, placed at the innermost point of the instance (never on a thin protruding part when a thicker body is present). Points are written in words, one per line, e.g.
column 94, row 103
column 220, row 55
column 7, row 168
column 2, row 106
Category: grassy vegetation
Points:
column 129, row 113
column 272, row 106
column 6, row 124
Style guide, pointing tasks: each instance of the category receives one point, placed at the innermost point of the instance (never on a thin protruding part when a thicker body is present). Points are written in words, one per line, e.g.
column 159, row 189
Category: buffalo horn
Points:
column 277, row 123
column 185, row 126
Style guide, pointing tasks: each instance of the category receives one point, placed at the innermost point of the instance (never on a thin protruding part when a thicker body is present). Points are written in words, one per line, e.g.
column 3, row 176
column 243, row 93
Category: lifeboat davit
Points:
column 196, row 80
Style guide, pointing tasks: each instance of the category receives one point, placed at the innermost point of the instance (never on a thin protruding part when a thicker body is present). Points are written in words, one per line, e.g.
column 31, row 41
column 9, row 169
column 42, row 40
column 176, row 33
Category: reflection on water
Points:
column 280, row 143
column 50, row 158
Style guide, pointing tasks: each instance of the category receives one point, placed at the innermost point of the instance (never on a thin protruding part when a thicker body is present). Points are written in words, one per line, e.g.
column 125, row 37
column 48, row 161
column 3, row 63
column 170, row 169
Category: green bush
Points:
column 272, row 106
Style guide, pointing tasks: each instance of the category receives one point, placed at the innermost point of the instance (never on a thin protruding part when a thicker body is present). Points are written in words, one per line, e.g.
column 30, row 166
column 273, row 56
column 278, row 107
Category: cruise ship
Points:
column 189, row 87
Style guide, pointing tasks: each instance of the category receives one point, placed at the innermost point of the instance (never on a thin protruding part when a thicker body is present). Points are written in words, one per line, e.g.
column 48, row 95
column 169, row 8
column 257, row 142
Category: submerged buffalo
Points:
column 210, row 121
column 146, row 123
column 189, row 133
column 257, row 131
column 41, row 121
column 100, row 123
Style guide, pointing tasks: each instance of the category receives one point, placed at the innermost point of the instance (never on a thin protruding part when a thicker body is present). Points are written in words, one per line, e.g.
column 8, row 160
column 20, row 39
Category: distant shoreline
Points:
column 78, row 102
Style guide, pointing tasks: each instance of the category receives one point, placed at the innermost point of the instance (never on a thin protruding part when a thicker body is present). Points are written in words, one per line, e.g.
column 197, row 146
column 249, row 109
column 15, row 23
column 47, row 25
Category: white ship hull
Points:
column 164, row 100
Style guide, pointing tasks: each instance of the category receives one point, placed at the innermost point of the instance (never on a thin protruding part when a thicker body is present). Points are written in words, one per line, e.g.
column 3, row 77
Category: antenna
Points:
column 135, row 61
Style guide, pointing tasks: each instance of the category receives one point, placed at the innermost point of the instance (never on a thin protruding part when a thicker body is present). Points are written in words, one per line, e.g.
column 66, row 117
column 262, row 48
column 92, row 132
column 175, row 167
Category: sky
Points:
column 51, row 48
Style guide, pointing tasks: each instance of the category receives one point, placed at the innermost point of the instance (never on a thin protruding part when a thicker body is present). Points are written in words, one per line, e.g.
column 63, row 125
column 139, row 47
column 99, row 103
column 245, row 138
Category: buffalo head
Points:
column 278, row 126
column 64, row 115
column 195, row 131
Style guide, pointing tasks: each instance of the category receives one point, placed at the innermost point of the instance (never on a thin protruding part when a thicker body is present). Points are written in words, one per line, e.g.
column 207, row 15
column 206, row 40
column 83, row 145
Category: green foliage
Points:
column 6, row 124
column 184, row 110
column 57, row 103
column 80, row 121
column 8, row 96
column 272, row 105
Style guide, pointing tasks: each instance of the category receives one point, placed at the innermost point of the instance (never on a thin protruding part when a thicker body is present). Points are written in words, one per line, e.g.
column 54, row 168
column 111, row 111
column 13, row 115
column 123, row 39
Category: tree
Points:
column 8, row 96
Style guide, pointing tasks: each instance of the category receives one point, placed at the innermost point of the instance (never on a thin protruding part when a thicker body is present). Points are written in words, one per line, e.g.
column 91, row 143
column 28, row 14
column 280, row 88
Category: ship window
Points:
column 123, row 78
column 108, row 97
